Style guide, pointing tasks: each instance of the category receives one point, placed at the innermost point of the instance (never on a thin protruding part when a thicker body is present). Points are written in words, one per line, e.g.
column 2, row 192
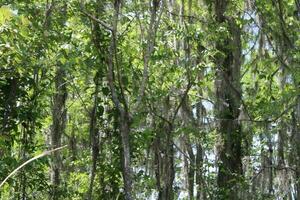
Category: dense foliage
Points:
column 158, row 99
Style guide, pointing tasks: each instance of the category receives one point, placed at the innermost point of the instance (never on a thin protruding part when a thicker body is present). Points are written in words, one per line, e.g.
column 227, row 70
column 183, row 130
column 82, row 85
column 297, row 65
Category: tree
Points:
column 228, row 94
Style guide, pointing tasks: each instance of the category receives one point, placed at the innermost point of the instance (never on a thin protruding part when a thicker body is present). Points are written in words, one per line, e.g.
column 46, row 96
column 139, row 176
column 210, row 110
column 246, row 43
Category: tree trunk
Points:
column 270, row 162
column 94, row 139
column 296, row 144
column 119, row 99
column 187, row 113
column 164, row 157
column 127, row 171
column 148, row 51
column 58, row 128
column 200, row 181
column 191, row 168
column 296, row 124
column 164, row 165
column 228, row 94
column 168, row 172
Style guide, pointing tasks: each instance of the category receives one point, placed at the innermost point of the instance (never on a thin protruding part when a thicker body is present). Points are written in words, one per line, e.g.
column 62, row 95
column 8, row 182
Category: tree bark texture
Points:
column 164, row 157
column 227, row 87
column 58, row 127
column 94, row 137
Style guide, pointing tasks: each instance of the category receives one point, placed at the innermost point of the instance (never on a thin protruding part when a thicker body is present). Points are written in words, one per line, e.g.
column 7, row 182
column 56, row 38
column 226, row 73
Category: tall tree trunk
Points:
column 266, row 175
column 164, row 157
column 200, row 118
column 296, row 123
column 94, row 139
column 59, row 111
column 58, row 128
column 127, row 171
column 296, row 144
column 187, row 113
column 228, row 94
column 282, row 135
column 189, row 157
column 157, row 161
column 190, row 167
column 168, row 172
column 200, row 181
column 201, row 195
column 119, row 101
column 270, row 162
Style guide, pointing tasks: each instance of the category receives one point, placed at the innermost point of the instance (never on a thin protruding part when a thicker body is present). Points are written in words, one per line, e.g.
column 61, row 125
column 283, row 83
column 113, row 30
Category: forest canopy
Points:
column 158, row 99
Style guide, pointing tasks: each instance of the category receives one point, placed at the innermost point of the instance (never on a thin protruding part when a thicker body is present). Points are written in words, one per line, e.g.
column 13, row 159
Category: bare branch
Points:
column 105, row 25
column 153, row 26
column 45, row 153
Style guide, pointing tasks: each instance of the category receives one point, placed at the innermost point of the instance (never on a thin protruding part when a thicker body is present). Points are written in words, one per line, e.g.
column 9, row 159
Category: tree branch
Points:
column 45, row 153
column 105, row 25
